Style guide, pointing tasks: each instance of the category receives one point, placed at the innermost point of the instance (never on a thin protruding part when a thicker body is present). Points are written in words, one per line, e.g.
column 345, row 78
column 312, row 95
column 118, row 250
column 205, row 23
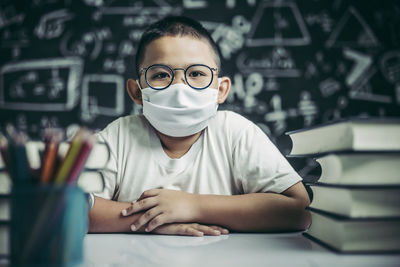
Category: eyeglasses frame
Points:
column 173, row 75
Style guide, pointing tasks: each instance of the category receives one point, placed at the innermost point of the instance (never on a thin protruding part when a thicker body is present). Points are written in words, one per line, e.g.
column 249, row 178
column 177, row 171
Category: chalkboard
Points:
column 293, row 64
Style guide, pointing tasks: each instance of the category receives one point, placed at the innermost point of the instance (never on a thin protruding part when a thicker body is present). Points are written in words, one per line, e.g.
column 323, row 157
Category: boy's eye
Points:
column 160, row 75
column 196, row 74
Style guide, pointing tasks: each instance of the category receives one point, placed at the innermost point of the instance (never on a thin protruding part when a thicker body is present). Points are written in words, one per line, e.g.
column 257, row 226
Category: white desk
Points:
column 229, row 250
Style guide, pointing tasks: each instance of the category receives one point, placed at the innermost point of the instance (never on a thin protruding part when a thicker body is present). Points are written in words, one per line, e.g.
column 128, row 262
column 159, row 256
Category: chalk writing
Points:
column 47, row 85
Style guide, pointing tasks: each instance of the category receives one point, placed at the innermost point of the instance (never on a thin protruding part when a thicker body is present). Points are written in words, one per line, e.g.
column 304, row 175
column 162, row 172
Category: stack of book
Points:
column 51, row 162
column 356, row 200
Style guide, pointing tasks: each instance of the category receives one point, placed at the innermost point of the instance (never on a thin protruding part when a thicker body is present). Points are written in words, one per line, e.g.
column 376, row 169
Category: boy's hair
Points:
column 174, row 26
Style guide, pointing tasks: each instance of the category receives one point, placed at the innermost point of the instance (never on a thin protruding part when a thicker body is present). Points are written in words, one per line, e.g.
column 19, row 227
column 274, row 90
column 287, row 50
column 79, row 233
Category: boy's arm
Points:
column 261, row 212
column 105, row 216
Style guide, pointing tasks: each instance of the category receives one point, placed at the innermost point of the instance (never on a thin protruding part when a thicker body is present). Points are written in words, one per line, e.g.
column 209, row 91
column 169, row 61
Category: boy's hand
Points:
column 191, row 229
column 162, row 206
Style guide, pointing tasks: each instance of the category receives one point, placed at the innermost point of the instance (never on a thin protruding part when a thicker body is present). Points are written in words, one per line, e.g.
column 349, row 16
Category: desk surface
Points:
column 228, row 250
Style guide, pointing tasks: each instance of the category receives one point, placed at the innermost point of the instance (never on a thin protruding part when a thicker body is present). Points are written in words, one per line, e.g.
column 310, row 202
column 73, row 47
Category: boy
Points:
column 182, row 167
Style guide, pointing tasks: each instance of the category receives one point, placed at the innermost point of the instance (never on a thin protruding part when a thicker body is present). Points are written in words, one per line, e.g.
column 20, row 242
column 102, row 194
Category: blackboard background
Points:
column 293, row 64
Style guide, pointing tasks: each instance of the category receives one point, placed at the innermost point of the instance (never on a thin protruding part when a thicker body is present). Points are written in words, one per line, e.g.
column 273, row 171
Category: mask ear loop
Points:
column 219, row 82
column 138, row 83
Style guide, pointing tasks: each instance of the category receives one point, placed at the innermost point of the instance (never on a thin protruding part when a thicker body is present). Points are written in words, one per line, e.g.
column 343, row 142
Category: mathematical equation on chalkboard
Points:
column 293, row 64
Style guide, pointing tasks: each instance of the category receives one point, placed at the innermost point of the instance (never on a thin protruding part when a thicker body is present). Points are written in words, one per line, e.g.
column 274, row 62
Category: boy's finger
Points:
column 149, row 193
column 145, row 218
column 208, row 230
column 140, row 205
column 156, row 222
column 188, row 230
column 223, row 231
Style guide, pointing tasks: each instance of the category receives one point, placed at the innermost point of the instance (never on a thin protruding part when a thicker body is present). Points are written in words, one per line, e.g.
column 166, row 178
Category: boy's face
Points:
column 178, row 52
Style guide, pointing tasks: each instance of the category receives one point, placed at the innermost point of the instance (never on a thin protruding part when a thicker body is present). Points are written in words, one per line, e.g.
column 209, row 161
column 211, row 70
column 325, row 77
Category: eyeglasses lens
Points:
column 197, row 76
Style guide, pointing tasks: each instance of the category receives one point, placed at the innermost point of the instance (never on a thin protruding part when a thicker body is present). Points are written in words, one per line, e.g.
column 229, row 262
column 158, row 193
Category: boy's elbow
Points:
column 93, row 226
column 303, row 201
column 299, row 218
column 303, row 216
column 304, row 220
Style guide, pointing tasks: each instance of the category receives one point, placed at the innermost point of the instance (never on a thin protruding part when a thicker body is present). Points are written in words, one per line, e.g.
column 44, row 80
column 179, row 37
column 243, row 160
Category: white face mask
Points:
column 179, row 110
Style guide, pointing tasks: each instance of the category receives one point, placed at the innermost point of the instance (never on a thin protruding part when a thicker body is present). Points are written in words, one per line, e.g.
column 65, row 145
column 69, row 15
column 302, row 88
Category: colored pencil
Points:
column 81, row 159
column 69, row 159
column 17, row 156
column 21, row 167
column 49, row 157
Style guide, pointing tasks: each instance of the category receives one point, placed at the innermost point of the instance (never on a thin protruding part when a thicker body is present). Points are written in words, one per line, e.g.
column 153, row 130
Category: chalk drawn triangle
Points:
column 352, row 30
column 363, row 90
column 278, row 23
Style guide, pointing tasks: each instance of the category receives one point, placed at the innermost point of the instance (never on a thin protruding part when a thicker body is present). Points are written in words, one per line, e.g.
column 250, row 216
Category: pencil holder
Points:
column 48, row 225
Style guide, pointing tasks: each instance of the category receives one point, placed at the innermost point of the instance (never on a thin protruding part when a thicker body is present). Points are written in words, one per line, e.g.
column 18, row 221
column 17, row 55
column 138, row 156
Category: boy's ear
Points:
column 134, row 92
column 224, row 88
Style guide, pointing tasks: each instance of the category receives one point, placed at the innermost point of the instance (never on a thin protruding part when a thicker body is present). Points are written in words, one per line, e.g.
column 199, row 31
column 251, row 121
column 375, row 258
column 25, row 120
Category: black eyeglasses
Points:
column 197, row 76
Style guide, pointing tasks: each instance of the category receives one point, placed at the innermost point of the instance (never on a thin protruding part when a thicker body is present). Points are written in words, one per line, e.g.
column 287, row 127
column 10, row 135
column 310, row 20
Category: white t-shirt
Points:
column 232, row 156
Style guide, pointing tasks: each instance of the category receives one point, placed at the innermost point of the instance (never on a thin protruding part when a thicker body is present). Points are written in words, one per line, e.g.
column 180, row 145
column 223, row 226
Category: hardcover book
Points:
column 357, row 201
column 4, row 239
column 360, row 168
column 348, row 135
column 90, row 181
column 355, row 235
